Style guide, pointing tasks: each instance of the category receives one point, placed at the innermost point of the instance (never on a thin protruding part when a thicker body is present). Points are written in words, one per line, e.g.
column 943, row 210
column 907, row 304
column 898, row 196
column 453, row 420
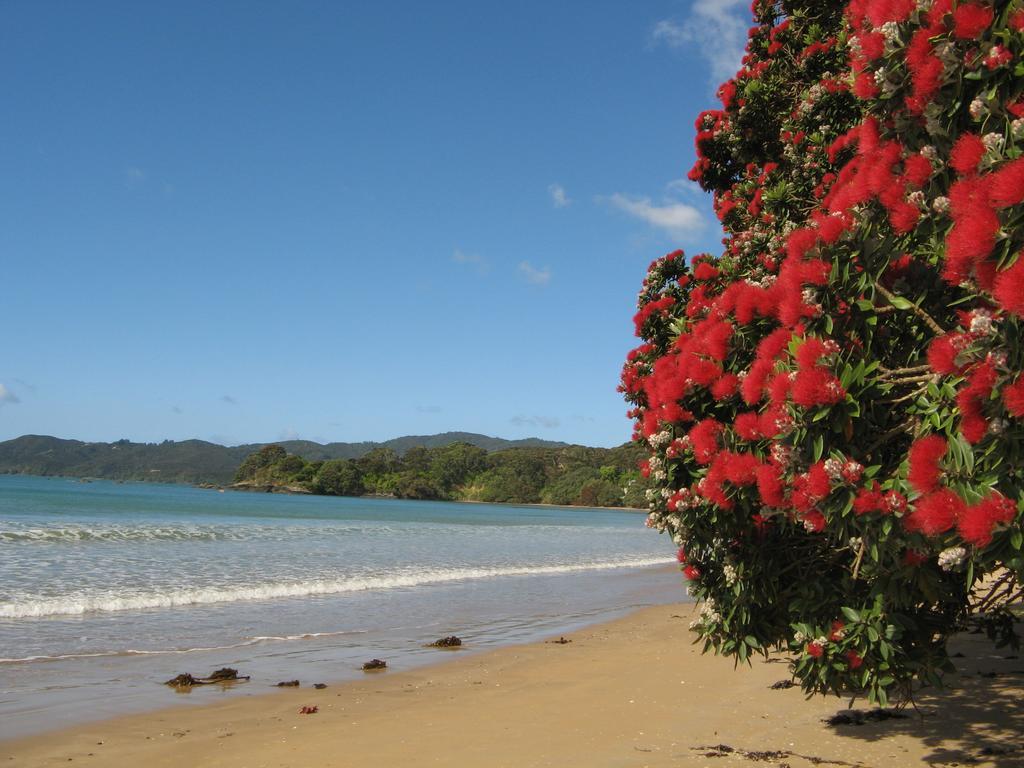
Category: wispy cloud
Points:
column 473, row 260
column 134, row 176
column 546, row 422
column 228, row 399
column 679, row 220
column 534, row 275
column 176, row 409
column 428, row 409
column 716, row 28
column 7, row 396
column 25, row 385
column 685, row 187
column 559, row 197
column 290, row 433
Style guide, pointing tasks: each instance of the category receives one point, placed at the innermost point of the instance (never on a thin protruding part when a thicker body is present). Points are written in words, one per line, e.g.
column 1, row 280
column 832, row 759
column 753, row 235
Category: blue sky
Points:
column 252, row 221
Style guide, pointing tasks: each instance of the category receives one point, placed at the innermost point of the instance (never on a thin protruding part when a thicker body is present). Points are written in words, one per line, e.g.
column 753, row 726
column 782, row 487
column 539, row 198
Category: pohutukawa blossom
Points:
column 971, row 19
column 1009, row 287
column 848, row 371
column 967, row 153
column 935, row 513
column 925, row 455
column 978, row 521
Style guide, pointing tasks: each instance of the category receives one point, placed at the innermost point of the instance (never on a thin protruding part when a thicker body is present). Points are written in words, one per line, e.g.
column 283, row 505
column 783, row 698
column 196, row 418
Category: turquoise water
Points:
column 122, row 586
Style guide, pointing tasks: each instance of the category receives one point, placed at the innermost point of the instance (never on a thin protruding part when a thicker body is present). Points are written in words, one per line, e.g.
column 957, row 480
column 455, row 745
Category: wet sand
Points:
column 632, row 692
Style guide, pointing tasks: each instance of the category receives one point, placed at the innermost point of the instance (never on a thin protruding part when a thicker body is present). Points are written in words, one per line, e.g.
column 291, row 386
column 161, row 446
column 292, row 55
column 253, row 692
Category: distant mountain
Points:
column 197, row 461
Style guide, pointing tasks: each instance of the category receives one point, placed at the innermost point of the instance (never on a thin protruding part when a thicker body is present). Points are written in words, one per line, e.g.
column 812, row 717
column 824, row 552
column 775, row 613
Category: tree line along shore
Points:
column 572, row 475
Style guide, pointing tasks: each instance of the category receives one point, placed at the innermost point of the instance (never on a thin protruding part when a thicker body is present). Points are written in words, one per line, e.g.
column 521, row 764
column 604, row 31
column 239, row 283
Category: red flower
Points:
column 746, row 425
column 704, row 271
column 865, row 87
column 967, row 153
column 752, row 387
column 1009, row 287
column 917, row 169
column 978, row 521
column 704, row 439
column 935, row 513
column 1013, row 397
column 837, row 631
column 815, row 650
column 818, row 483
column 975, row 225
column 816, row 387
column 943, row 351
column 691, row 572
column 854, row 659
column 725, row 387
column 926, row 71
column 770, row 486
column 903, row 216
column 681, row 555
column 868, row 500
column 971, row 400
column 831, row 228
column 894, row 501
column 1006, row 186
column 800, row 241
column 970, row 20
column 925, row 455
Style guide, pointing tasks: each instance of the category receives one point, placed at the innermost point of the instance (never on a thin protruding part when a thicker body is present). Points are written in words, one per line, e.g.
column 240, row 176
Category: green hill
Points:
column 198, row 461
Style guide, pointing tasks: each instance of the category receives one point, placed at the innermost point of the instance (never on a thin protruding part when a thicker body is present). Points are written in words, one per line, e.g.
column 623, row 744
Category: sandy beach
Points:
column 632, row 692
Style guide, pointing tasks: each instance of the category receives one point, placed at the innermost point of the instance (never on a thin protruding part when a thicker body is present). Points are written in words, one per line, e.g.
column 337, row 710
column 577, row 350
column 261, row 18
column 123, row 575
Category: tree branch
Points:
column 928, row 320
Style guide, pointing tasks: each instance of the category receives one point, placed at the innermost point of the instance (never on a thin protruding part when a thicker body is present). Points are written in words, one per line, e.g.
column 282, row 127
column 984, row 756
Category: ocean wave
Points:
column 111, row 533
column 179, row 651
column 78, row 605
column 116, row 534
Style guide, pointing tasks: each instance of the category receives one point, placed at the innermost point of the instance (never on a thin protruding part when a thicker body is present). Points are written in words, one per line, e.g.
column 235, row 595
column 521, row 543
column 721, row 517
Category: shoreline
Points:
column 294, row 491
column 630, row 692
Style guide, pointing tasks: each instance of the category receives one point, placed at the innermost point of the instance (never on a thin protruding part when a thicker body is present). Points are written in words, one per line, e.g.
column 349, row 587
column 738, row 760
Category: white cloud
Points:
column 716, row 28
column 547, row 422
column 677, row 219
column 685, row 187
column 460, row 257
column 534, row 275
column 289, row 434
column 559, row 196
column 473, row 260
column 6, row 396
column 134, row 176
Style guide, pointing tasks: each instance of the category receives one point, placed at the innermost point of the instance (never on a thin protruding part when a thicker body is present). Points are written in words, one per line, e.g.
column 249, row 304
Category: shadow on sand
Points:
column 977, row 720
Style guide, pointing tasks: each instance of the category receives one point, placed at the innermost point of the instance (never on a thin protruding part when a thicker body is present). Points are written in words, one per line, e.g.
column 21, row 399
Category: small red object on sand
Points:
column 309, row 710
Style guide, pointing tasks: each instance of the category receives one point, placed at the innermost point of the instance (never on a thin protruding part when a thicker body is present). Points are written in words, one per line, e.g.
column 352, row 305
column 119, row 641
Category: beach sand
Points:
column 632, row 692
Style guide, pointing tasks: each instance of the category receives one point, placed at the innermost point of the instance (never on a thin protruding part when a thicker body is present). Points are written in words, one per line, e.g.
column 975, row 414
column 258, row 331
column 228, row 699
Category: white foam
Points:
column 107, row 602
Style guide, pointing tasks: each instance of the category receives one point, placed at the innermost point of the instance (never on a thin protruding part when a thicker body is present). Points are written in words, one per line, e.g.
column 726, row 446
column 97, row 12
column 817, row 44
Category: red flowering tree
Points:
column 834, row 406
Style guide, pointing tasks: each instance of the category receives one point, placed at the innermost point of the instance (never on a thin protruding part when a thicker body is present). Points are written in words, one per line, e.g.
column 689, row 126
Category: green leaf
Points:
column 901, row 303
column 851, row 614
column 819, row 446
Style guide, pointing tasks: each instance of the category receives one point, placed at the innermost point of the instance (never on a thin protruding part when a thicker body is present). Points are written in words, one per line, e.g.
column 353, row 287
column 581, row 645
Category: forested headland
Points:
column 571, row 475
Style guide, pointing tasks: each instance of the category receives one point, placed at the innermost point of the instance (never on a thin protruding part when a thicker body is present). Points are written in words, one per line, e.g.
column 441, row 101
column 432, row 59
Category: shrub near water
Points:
column 834, row 407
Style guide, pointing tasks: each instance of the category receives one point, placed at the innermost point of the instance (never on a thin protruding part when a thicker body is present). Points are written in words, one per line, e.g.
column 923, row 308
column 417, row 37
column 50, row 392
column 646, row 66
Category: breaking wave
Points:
column 108, row 602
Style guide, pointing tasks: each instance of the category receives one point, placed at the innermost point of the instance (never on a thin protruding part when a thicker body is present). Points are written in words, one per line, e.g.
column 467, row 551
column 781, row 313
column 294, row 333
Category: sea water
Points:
column 108, row 589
